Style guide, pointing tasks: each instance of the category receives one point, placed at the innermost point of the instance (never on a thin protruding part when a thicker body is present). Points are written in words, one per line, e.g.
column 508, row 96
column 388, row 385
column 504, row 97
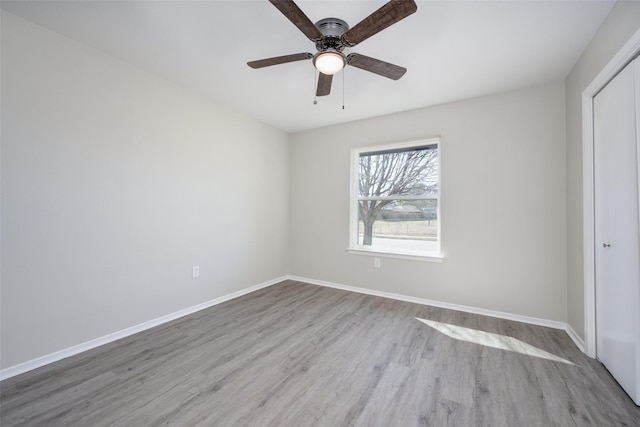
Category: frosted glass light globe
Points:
column 329, row 63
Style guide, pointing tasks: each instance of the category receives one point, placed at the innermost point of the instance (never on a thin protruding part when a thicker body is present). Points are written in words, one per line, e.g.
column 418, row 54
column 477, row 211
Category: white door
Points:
column 617, row 229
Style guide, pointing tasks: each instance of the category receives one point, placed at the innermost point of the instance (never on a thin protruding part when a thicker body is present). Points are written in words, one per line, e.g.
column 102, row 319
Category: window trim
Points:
column 354, row 247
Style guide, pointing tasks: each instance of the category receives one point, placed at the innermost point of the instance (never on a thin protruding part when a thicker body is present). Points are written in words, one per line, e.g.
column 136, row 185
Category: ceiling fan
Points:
column 332, row 35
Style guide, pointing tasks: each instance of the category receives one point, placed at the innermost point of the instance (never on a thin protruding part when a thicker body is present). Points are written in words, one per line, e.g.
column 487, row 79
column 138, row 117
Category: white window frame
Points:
column 354, row 246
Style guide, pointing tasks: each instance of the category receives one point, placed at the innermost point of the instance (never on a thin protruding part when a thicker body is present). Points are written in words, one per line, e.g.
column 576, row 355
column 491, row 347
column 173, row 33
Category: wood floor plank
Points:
column 460, row 373
column 299, row 355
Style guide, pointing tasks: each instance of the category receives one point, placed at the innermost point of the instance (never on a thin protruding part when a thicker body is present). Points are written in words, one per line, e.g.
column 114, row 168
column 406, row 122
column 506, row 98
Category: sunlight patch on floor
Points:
column 489, row 339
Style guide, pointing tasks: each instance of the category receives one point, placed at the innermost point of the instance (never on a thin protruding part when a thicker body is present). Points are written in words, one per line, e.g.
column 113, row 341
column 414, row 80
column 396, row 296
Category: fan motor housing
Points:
column 332, row 27
column 332, row 30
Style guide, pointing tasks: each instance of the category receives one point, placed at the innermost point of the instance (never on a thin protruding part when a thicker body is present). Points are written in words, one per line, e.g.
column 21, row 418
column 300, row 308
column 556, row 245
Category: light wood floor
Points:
column 302, row 355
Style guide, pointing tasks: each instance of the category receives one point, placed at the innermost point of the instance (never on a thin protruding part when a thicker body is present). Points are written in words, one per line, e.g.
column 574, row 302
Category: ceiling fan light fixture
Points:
column 329, row 62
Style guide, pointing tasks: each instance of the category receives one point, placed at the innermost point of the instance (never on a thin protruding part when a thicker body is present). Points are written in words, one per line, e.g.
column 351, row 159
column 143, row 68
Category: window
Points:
column 395, row 200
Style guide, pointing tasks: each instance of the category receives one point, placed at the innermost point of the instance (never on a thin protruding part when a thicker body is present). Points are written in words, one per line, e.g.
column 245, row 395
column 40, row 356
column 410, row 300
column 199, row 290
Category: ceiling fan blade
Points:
column 299, row 19
column 324, row 84
column 279, row 60
column 382, row 18
column 376, row 66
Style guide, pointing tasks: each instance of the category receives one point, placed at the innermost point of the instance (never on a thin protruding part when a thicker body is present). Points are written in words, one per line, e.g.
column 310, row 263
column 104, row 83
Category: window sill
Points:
column 428, row 257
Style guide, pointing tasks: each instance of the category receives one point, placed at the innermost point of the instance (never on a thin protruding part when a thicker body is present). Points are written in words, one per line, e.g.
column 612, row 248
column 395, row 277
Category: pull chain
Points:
column 344, row 71
column 316, row 76
column 315, row 84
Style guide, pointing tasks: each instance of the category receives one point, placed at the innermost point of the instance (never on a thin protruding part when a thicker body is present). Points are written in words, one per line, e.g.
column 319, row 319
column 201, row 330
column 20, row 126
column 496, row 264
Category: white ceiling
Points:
column 452, row 49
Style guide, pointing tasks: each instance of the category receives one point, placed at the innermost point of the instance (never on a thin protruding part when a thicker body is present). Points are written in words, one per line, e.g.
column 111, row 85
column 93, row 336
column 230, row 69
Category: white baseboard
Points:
column 88, row 345
column 97, row 342
column 475, row 310
column 579, row 342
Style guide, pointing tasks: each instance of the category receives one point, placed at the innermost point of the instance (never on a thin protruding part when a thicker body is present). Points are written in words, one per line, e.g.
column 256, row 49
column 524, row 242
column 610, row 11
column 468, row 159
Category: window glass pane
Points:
column 398, row 225
column 406, row 172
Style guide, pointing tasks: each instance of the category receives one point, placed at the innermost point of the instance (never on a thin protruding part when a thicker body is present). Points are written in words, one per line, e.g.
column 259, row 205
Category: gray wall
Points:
column 617, row 29
column 114, row 183
column 503, row 204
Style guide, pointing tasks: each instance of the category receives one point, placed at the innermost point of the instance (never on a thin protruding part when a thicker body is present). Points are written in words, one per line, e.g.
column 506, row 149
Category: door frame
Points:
column 615, row 65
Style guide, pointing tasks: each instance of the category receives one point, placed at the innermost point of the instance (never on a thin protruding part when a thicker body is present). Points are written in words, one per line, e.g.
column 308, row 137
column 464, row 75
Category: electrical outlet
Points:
column 376, row 262
column 195, row 271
